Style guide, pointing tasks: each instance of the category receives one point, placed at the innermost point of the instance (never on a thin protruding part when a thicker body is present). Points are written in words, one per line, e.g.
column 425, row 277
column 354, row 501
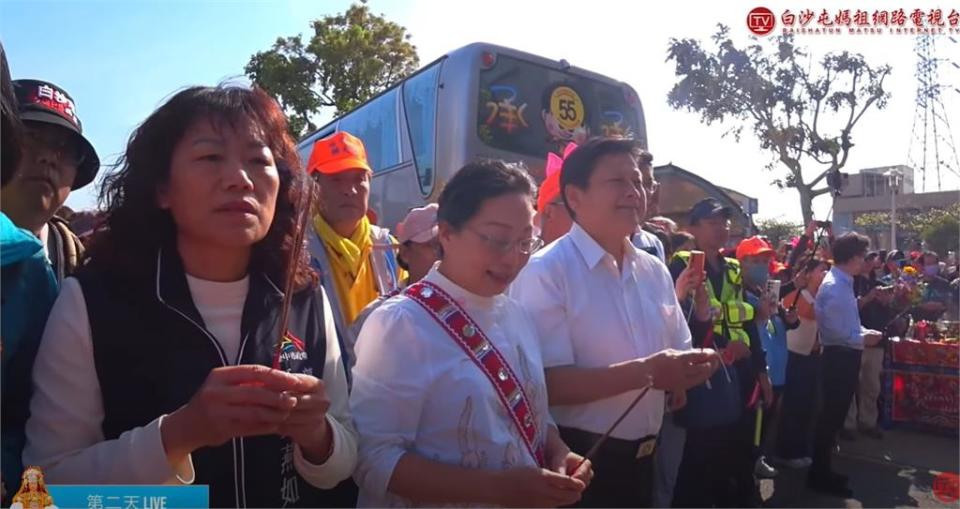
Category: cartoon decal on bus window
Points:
column 613, row 125
column 503, row 114
column 564, row 116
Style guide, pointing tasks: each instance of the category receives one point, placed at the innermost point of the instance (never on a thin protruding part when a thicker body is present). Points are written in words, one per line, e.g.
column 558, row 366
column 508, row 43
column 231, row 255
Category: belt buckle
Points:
column 646, row 447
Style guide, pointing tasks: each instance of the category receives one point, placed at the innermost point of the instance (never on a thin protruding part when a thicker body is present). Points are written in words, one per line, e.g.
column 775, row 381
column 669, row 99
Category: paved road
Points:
column 897, row 471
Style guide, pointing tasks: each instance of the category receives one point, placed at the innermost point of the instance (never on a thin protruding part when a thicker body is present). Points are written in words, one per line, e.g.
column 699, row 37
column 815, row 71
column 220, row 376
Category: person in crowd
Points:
column 27, row 289
column 645, row 237
column 449, row 395
column 843, row 338
column 875, row 302
column 609, row 323
column 682, row 241
column 801, row 393
column 783, row 253
column 709, row 464
column 419, row 251
column 772, row 322
column 892, row 266
column 936, row 293
column 355, row 257
column 552, row 217
column 665, row 223
column 56, row 159
column 661, row 236
column 815, row 231
column 162, row 361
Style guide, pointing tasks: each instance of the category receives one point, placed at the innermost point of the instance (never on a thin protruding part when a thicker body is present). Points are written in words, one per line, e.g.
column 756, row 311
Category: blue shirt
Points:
column 838, row 318
column 773, row 337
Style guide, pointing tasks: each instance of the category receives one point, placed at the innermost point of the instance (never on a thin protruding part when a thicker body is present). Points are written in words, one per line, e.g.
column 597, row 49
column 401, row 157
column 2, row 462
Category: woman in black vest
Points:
column 155, row 366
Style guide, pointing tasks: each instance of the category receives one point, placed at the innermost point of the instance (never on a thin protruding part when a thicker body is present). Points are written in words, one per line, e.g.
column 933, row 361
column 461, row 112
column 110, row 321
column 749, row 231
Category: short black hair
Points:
column 680, row 238
column 464, row 194
column 581, row 163
column 849, row 246
column 11, row 128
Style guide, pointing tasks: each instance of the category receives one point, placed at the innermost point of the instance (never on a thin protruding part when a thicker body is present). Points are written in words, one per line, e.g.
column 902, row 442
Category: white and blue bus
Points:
column 480, row 101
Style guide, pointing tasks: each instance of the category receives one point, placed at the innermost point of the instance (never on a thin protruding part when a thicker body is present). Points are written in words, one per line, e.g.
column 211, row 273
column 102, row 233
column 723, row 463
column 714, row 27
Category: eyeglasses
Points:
column 525, row 246
column 64, row 146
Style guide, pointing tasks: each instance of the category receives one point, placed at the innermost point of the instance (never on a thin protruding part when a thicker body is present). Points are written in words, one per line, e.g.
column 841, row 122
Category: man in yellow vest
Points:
column 735, row 334
column 356, row 259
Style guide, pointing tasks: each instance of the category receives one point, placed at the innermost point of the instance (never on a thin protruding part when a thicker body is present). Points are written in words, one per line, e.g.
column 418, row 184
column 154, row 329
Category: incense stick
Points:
column 304, row 204
column 596, row 447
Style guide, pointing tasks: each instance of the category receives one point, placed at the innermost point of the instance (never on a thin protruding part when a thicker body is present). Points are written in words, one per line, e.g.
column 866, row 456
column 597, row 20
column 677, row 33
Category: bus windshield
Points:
column 531, row 109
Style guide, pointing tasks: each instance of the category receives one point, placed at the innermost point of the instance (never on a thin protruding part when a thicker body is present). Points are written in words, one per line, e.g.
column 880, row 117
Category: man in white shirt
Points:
column 609, row 322
column 644, row 239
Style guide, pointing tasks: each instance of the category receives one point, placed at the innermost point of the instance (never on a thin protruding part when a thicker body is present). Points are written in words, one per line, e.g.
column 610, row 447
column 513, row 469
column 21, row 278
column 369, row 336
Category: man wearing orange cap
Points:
column 756, row 258
column 356, row 258
column 552, row 216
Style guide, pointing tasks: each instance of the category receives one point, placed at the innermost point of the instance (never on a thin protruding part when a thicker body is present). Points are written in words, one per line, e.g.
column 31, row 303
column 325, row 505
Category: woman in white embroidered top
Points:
column 440, row 417
column 162, row 361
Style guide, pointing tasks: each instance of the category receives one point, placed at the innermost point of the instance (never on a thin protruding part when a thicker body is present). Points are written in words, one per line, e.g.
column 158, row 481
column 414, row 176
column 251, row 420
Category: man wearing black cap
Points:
column 55, row 160
column 719, row 455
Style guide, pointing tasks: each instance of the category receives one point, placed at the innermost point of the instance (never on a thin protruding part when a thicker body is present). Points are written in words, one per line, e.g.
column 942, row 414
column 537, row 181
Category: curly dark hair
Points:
column 136, row 226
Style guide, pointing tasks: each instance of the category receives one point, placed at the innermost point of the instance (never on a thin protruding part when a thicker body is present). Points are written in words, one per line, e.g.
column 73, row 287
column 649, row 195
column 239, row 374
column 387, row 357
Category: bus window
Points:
column 376, row 124
column 530, row 109
column 420, row 105
column 306, row 146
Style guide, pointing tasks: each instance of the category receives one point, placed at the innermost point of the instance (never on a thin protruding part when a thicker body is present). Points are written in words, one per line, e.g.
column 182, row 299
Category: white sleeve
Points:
column 64, row 433
column 343, row 459
column 390, row 379
column 542, row 295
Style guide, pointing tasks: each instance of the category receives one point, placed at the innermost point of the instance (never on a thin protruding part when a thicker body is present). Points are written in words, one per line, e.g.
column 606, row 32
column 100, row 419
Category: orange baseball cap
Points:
column 550, row 187
column 753, row 246
column 549, row 191
column 338, row 153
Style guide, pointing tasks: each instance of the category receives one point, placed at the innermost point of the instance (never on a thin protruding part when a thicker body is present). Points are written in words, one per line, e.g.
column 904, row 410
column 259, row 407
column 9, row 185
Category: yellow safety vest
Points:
column 730, row 310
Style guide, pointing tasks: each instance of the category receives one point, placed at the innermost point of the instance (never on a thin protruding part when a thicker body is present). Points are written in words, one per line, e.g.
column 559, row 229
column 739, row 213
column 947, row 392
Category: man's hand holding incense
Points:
column 679, row 370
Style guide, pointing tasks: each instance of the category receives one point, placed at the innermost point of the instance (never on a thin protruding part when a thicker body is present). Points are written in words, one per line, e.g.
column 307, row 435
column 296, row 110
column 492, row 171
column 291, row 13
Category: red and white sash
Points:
column 471, row 339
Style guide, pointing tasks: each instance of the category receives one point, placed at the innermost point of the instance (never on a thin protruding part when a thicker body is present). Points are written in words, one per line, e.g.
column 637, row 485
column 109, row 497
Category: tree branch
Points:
column 822, row 176
column 817, row 192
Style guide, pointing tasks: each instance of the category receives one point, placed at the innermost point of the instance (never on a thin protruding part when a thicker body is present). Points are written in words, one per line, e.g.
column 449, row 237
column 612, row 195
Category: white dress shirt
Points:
column 590, row 314
column 416, row 391
column 64, row 433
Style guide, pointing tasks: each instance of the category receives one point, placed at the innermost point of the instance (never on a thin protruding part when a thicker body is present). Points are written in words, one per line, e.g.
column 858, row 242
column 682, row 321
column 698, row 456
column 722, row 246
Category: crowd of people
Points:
column 512, row 345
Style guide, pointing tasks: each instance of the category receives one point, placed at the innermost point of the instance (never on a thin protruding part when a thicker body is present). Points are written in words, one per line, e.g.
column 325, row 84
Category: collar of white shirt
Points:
column 593, row 253
column 465, row 298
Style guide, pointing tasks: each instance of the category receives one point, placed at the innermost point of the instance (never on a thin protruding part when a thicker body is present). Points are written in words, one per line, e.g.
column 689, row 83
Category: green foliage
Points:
column 942, row 234
column 939, row 227
column 350, row 58
column 773, row 92
column 778, row 230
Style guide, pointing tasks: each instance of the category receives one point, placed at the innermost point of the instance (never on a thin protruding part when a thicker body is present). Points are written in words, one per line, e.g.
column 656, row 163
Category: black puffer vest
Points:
column 152, row 353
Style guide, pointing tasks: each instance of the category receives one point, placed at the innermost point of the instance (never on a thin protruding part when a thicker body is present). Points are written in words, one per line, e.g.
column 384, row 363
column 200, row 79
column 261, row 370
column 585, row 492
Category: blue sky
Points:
column 120, row 60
